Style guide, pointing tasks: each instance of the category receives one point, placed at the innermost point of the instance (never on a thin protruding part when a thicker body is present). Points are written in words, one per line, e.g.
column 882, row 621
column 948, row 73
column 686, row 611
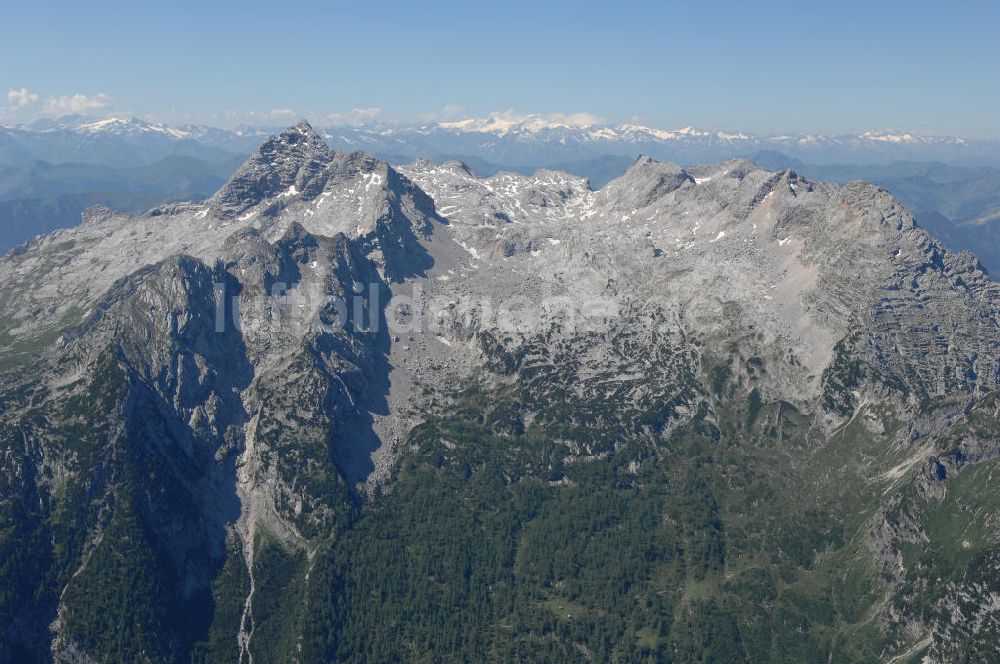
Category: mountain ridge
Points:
column 232, row 423
column 515, row 140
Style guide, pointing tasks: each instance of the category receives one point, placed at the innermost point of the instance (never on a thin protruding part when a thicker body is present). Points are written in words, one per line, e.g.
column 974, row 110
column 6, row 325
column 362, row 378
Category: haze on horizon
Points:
column 922, row 67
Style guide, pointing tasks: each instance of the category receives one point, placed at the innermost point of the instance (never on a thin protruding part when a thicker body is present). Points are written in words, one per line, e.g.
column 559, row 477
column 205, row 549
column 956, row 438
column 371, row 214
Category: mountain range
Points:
column 342, row 410
column 519, row 141
column 52, row 169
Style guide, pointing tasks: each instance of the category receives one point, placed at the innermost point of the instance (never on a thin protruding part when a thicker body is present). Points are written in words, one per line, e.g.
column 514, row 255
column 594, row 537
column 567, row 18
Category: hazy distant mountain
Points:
column 170, row 174
column 341, row 411
column 533, row 141
column 957, row 200
column 21, row 219
column 959, row 205
column 39, row 197
column 115, row 142
column 529, row 141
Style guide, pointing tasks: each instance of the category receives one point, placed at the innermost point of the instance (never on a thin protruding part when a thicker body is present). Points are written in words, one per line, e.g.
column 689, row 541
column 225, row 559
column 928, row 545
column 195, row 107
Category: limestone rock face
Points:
column 296, row 158
column 210, row 381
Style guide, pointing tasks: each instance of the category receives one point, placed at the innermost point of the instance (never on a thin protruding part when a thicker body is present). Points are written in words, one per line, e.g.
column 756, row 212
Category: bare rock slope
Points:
column 259, row 359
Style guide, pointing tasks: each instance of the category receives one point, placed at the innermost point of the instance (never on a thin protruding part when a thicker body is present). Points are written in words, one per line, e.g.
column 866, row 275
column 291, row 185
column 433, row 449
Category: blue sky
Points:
column 751, row 66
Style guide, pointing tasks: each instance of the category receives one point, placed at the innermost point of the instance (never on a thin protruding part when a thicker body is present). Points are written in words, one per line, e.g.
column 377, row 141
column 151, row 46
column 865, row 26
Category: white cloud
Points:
column 273, row 118
column 369, row 113
column 355, row 116
column 18, row 99
column 447, row 112
column 173, row 117
column 508, row 120
column 574, row 119
column 547, row 119
column 268, row 118
column 78, row 103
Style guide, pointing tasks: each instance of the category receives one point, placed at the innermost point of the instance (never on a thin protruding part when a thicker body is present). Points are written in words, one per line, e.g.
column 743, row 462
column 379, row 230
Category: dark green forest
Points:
column 513, row 532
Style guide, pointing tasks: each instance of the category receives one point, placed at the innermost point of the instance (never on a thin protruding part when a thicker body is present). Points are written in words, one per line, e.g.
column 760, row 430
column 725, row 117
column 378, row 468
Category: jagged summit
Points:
column 291, row 161
column 805, row 335
column 302, row 128
column 645, row 166
column 97, row 213
column 646, row 180
column 294, row 174
column 458, row 164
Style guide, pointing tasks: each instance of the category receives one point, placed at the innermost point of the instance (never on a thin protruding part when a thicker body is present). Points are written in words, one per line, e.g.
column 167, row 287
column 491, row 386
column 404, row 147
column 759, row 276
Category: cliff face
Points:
column 212, row 416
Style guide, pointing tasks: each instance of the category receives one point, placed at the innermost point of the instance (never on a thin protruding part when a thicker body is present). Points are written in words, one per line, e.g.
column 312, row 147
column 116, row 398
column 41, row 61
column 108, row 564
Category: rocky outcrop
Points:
column 293, row 161
column 206, row 387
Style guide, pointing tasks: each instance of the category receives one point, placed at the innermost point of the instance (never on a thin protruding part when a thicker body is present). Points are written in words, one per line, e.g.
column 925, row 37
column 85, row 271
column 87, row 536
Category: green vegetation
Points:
column 493, row 544
column 523, row 521
column 229, row 593
column 111, row 604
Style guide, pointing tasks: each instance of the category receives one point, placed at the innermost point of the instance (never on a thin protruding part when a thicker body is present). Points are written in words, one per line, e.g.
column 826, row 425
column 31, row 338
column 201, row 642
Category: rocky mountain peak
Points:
column 460, row 166
column 298, row 139
column 675, row 331
column 645, row 181
column 291, row 161
column 97, row 213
